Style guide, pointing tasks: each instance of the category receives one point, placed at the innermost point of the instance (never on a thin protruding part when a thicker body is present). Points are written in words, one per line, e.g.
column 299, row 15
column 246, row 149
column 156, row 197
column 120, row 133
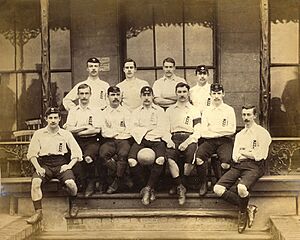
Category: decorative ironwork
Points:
column 282, row 152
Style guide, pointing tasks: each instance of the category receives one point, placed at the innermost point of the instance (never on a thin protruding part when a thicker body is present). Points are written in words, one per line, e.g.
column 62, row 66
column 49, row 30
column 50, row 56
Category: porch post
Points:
column 264, row 64
column 46, row 80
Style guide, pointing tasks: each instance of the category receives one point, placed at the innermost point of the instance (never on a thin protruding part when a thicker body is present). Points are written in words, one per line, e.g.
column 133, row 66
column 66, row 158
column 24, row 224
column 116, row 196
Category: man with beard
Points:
column 149, row 124
column 117, row 138
column 84, row 121
column 98, row 87
column 131, row 86
column 200, row 93
column 251, row 147
column 46, row 152
column 218, row 124
column 164, row 88
column 184, row 123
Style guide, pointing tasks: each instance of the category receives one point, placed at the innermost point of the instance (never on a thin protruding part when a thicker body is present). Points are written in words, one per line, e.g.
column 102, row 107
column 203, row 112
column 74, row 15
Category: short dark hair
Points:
column 83, row 86
column 113, row 89
column 170, row 60
column 182, row 84
column 249, row 106
column 130, row 60
column 51, row 110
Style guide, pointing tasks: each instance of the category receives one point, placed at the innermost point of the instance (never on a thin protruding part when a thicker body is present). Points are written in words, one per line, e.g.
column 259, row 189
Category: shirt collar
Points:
column 110, row 109
column 80, row 107
column 187, row 105
column 153, row 106
column 46, row 130
column 173, row 78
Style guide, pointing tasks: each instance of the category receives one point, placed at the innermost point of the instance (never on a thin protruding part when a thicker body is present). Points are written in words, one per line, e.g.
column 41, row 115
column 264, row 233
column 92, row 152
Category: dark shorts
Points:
column 52, row 165
column 246, row 172
column 188, row 154
column 89, row 146
column 158, row 147
column 112, row 147
column 222, row 146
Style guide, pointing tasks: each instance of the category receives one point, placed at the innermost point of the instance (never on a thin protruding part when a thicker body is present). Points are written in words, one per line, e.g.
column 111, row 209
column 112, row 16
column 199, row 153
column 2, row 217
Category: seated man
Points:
column 148, row 129
column 84, row 121
column 46, row 152
column 218, row 124
column 250, row 149
column 117, row 139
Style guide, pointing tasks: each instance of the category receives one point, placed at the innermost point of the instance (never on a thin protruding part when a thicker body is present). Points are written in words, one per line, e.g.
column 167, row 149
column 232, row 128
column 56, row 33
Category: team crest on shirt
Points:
column 122, row 124
column 187, row 120
column 101, row 95
column 224, row 122
column 60, row 146
column 254, row 144
column 208, row 102
column 90, row 120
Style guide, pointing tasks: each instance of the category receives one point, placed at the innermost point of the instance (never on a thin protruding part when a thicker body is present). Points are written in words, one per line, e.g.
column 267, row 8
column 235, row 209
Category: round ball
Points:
column 146, row 156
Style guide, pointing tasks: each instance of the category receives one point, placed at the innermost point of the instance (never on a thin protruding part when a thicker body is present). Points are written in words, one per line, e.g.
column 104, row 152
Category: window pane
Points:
column 285, row 102
column 61, row 85
column 8, row 108
column 7, row 53
column 147, row 75
column 178, row 72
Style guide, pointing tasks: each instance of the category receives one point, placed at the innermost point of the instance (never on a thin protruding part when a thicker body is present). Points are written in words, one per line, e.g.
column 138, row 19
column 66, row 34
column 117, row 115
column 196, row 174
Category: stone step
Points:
column 153, row 219
column 163, row 234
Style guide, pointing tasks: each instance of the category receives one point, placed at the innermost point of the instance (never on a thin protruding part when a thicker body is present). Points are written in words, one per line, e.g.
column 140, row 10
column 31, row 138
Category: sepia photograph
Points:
column 150, row 119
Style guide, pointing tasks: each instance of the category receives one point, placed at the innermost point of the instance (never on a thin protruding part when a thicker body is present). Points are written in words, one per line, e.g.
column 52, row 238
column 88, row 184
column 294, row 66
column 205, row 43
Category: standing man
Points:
column 98, row 87
column 251, row 147
column 131, row 86
column 200, row 93
column 218, row 124
column 184, row 123
column 149, row 124
column 164, row 88
column 117, row 138
column 46, row 152
column 84, row 121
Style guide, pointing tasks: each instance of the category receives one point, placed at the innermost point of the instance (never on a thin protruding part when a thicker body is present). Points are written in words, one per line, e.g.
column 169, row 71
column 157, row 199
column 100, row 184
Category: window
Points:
column 183, row 30
column 284, row 68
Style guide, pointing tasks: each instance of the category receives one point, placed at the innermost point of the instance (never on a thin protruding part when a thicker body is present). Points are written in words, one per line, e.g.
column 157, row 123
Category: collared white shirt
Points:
column 165, row 87
column 130, row 91
column 200, row 96
column 256, row 138
column 218, row 121
column 184, row 119
column 98, row 96
column 144, row 119
column 89, row 115
column 116, row 121
column 45, row 143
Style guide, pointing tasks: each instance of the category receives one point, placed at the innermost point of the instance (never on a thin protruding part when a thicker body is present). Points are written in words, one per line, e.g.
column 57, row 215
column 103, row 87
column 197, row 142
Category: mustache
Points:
column 116, row 100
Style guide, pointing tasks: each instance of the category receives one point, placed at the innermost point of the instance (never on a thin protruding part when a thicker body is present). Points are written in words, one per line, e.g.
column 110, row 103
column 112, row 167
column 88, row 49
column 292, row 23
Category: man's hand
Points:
column 183, row 145
column 171, row 144
column 41, row 171
column 64, row 168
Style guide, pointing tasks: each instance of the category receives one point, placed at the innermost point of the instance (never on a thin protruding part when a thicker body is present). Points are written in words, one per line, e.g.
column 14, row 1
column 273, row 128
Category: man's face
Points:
column 93, row 69
column 53, row 120
column 147, row 99
column 202, row 78
column 114, row 99
column 169, row 69
column 182, row 94
column 84, row 95
column 248, row 116
column 217, row 97
column 129, row 69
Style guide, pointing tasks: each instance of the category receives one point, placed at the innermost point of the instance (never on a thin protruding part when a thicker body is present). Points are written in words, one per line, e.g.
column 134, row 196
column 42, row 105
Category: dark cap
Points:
column 51, row 110
column 93, row 60
column 201, row 69
column 146, row 90
column 216, row 87
column 113, row 89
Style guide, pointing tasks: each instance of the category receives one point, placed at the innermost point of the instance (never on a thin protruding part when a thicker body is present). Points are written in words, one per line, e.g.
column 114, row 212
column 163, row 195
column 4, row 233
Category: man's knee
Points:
column 160, row 161
column 132, row 162
column 219, row 190
column 199, row 161
column 36, row 183
column 225, row 166
column 71, row 185
column 242, row 190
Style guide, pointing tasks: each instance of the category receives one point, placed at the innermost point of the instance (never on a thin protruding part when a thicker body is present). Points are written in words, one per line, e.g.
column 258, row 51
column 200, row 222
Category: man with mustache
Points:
column 117, row 137
column 164, row 88
column 251, row 147
column 131, row 86
column 84, row 121
column 47, row 153
column 98, row 87
column 218, row 124
column 148, row 130
column 184, row 125
column 200, row 93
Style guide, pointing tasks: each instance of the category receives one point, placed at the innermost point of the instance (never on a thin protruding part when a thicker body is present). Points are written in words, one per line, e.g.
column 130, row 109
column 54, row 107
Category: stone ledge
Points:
column 285, row 227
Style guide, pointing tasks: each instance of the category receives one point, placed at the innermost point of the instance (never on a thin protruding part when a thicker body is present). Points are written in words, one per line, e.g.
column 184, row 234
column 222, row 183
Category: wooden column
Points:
column 264, row 64
column 46, row 78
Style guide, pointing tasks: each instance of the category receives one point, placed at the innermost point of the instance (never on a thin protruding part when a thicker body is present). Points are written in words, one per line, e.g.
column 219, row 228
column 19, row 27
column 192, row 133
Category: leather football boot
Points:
column 145, row 193
column 242, row 221
column 251, row 211
column 181, row 190
column 36, row 217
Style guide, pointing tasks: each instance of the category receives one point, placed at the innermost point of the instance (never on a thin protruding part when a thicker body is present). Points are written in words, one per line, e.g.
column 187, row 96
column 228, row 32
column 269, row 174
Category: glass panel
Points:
column 29, row 98
column 192, row 79
column 148, row 75
column 169, row 31
column 178, row 72
column 285, row 102
column 61, row 85
column 8, row 108
column 7, row 54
